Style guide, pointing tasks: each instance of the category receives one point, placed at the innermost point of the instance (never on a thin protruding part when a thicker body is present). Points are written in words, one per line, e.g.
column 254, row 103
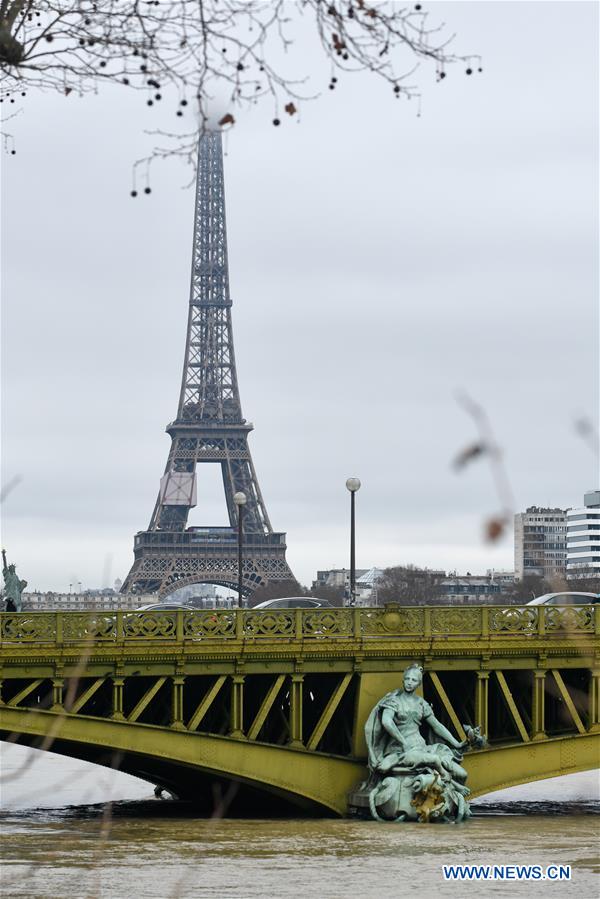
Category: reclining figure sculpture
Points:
column 413, row 778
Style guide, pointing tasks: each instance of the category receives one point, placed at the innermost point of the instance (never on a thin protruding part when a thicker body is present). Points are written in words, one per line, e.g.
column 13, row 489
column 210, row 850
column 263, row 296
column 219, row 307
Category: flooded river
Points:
column 60, row 840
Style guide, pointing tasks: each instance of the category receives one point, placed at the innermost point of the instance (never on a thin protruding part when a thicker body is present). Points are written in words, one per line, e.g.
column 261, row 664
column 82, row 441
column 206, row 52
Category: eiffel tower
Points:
column 209, row 428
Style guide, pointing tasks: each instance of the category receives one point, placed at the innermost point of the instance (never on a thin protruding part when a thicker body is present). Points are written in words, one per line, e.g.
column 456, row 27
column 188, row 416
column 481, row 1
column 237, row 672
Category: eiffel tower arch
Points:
column 209, row 427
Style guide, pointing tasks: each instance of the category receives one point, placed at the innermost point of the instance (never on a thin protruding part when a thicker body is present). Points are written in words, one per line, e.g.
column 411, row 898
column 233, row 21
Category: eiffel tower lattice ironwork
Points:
column 209, row 428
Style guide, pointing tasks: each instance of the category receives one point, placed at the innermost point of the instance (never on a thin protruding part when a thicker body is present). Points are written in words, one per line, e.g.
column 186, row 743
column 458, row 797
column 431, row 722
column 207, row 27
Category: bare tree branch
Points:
column 211, row 58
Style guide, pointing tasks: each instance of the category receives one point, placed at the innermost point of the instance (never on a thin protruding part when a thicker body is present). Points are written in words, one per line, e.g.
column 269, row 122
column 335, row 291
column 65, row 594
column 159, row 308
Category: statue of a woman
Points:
column 413, row 774
column 13, row 586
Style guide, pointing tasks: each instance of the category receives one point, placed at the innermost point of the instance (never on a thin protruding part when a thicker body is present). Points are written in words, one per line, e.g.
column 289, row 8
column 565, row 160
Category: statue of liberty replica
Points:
column 13, row 586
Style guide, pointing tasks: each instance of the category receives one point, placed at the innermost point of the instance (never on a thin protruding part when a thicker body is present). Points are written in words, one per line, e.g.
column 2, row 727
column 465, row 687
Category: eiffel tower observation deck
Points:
column 209, row 428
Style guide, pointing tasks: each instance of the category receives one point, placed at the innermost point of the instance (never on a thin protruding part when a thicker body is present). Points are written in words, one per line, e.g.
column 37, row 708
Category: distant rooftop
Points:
column 369, row 578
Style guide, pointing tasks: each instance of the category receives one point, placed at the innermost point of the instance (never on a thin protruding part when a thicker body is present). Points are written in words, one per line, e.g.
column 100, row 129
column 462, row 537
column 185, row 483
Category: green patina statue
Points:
column 413, row 777
column 13, row 586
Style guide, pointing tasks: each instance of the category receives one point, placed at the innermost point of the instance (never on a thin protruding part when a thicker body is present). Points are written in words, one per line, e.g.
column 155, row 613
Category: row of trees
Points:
column 404, row 584
column 533, row 585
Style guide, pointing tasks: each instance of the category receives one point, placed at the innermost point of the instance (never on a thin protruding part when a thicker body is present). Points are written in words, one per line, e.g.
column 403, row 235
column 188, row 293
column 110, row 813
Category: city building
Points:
column 107, row 600
column 366, row 587
column 336, row 578
column 452, row 589
column 491, row 587
column 583, row 538
column 88, row 600
column 541, row 543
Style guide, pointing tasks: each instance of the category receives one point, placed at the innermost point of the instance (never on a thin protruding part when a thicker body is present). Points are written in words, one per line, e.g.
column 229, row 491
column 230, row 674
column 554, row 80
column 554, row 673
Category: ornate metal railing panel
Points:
column 392, row 622
column 516, row 620
column 277, row 623
column 203, row 625
column 77, row 626
column 28, row 627
column 364, row 624
column 571, row 618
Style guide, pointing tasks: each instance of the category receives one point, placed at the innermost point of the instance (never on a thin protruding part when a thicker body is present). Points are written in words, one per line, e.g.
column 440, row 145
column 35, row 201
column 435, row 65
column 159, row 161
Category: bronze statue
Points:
column 13, row 586
column 412, row 777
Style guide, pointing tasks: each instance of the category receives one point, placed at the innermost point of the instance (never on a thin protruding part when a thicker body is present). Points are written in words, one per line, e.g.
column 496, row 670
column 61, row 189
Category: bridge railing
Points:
column 363, row 624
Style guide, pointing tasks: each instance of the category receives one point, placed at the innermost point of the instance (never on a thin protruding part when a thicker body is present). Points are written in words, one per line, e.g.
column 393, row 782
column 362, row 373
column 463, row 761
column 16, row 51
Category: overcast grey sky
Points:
column 379, row 261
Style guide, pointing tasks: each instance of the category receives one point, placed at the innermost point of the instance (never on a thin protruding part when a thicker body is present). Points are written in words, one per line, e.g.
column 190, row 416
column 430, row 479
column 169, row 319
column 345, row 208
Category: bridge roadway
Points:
column 265, row 711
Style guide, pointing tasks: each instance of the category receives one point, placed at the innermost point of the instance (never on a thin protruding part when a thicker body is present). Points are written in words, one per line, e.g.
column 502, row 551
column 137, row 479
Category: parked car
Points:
column 165, row 607
column 293, row 602
column 565, row 599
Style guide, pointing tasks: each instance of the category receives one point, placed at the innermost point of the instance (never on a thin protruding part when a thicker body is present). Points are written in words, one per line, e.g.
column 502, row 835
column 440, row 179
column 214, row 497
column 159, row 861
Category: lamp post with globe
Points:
column 353, row 484
column 240, row 501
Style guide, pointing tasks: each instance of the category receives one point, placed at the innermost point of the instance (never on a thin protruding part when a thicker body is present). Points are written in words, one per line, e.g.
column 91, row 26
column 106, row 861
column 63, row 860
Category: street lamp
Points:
column 240, row 501
column 353, row 484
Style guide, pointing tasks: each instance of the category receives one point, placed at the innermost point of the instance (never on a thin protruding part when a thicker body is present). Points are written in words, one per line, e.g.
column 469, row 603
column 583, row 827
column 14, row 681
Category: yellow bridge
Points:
column 267, row 709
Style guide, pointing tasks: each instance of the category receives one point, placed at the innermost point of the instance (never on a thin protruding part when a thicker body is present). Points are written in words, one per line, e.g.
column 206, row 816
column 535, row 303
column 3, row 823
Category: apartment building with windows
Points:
column 109, row 600
column 88, row 601
column 583, row 537
column 477, row 588
column 541, row 543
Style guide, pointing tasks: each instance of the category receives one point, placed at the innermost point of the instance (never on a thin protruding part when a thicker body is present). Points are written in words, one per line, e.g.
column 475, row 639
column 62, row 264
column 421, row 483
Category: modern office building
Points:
column 583, row 537
column 541, row 543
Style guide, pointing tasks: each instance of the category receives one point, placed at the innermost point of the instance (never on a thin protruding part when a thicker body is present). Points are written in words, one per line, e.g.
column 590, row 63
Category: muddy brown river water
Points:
column 142, row 848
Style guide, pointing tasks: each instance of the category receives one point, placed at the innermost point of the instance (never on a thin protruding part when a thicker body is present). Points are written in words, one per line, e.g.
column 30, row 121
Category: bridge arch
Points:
column 315, row 784
column 249, row 585
column 312, row 783
column 515, row 764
